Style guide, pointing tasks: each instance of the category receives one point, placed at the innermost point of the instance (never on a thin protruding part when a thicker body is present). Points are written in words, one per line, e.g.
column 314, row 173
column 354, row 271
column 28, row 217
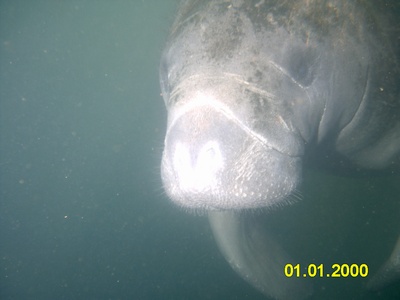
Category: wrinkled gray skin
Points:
column 254, row 87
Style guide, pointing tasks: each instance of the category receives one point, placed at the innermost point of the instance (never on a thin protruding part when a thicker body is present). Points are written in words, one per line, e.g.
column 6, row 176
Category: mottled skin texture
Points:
column 255, row 88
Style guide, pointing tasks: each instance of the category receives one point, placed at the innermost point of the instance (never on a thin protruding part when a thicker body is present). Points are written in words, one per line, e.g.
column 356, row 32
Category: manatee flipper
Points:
column 254, row 254
column 389, row 272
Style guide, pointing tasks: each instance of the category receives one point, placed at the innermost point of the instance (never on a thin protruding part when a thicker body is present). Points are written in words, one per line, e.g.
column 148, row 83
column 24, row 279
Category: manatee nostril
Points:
column 210, row 156
column 210, row 151
column 197, row 169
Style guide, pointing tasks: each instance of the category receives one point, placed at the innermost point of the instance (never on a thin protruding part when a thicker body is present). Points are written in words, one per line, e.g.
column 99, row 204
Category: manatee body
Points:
column 257, row 89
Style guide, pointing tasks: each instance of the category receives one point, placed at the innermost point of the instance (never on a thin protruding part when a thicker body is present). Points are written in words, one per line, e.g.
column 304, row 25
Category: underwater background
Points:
column 82, row 211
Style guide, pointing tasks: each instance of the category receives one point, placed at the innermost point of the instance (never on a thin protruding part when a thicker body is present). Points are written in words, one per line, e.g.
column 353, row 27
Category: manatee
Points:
column 257, row 91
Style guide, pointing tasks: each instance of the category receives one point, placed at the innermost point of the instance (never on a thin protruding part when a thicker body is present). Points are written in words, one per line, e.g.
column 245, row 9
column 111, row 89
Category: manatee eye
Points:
column 165, row 90
column 301, row 66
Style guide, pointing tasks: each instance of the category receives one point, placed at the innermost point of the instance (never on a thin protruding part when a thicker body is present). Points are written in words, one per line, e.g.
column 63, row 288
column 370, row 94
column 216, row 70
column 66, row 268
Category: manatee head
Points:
column 237, row 92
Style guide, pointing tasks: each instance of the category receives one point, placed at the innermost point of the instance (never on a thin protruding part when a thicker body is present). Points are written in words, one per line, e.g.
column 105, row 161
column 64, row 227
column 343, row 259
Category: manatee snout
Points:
column 212, row 161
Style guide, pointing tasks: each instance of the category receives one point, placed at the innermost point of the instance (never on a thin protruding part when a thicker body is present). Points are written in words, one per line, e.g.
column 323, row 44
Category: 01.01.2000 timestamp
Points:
column 337, row 270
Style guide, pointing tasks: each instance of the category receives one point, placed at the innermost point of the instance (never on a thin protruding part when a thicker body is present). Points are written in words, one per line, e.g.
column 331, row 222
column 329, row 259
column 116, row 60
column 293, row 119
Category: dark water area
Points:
column 82, row 210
